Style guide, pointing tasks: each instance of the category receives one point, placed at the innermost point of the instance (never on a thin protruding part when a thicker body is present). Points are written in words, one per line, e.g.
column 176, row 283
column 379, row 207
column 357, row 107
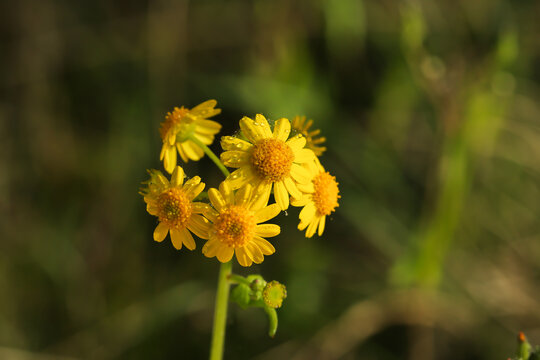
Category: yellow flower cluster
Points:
column 277, row 158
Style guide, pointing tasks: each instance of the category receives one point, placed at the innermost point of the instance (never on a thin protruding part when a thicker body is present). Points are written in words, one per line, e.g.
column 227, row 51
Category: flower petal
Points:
column 267, row 230
column 321, row 225
column 281, row 195
column 282, row 129
column 169, row 161
column 230, row 143
column 263, row 127
column 256, row 253
column 296, row 142
column 261, row 195
column 242, row 257
column 177, row 177
column 160, row 232
column 235, row 159
column 211, row 248
column 308, row 213
column 300, row 174
column 193, row 151
column 292, row 188
column 216, row 199
column 240, row 177
column 248, row 128
column 177, row 238
column 267, row 213
column 266, row 247
column 312, row 227
column 304, row 155
column 226, row 192
column 243, row 195
column 225, row 253
column 209, row 127
column 182, row 152
column 199, row 226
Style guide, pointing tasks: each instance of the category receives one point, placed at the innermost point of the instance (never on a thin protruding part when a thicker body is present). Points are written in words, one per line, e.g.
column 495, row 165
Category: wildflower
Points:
column 236, row 227
column 182, row 123
column 299, row 124
column 268, row 159
column 320, row 200
column 173, row 204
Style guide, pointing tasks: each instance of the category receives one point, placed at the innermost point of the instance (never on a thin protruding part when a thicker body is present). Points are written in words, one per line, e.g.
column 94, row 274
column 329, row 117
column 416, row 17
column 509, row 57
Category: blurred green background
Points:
column 431, row 113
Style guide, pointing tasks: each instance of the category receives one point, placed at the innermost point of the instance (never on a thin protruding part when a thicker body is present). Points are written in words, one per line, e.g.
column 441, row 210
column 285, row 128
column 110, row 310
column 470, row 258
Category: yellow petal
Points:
column 296, row 142
column 266, row 247
column 292, row 188
column 321, row 225
column 193, row 187
column 169, row 162
column 177, row 238
column 267, row 230
column 282, row 129
column 225, row 253
column 193, row 151
column 216, row 199
column 205, row 110
column 300, row 202
column 300, row 174
column 210, row 248
column 231, row 143
column 243, row 195
column 312, row 227
column 250, row 131
column 160, row 232
column 308, row 213
column 182, row 152
column 267, row 213
column 242, row 257
column 261, row 195
column 256, row 253
column 199, row 226
column 304, row 155
column 204, row 138
column 281, row 195
column 208, row 127
column 188, row 239
column 177, row 177
column 263, row 127
column 235, row 159
column 226, row 192
column 240, row 177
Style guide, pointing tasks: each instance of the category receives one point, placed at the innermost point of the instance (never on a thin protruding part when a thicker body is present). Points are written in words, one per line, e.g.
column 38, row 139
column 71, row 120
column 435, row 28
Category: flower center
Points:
column 235, row 226
column 326, row 193
column 174, row 207
column 272, row 159
column 175, row 121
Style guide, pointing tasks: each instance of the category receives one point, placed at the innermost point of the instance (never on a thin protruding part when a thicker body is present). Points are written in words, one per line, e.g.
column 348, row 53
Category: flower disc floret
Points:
column 174, row 207
column 273, row 294
column 326, row 193
column 272, row 159
column 235, row 226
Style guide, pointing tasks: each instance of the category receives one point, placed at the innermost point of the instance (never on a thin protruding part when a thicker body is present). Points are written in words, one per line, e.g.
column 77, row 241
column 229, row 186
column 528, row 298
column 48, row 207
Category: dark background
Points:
column 431, row 113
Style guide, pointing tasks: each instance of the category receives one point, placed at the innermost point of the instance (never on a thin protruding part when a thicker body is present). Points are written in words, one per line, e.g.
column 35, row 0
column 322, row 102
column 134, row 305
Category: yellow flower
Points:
column 268, row 159
column 173, row 204
column 320, row 200
column 182, row 123
column 299, row 124
column 236, row 227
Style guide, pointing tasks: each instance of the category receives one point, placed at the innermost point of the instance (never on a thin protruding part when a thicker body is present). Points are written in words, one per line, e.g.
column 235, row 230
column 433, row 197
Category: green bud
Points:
column 241, row 295
column 273, row 294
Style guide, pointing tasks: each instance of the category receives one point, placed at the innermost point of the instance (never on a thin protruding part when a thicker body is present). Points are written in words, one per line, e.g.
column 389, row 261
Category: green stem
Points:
column 222, row 294
column 211, row 155
column 237, row 279
column 220, row 312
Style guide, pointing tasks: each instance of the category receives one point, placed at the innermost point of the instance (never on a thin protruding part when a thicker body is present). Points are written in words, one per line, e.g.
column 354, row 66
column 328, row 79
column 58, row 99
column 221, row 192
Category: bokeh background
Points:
column 431, row 113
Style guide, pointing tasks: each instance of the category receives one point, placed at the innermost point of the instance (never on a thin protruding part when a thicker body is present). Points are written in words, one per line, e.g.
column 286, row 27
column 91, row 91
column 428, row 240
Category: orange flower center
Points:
column 235, row 226
column 326, row 193
column 174, row 207
column 272, row 159
column 173, row 121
